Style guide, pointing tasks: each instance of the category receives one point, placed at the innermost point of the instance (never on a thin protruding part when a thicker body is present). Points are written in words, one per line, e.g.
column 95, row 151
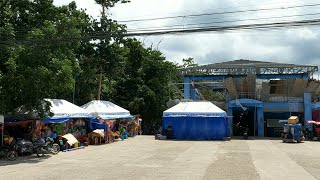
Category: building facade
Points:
column 260, row 93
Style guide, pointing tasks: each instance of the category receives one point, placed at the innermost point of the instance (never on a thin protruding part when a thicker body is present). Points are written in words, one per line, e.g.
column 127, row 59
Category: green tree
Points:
column 188, row 62
column 143, row 88
column 99, row 55
column 38, row 60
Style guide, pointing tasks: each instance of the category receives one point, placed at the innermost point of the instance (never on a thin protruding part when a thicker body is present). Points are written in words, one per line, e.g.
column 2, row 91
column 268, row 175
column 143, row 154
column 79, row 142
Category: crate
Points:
column 293, row 120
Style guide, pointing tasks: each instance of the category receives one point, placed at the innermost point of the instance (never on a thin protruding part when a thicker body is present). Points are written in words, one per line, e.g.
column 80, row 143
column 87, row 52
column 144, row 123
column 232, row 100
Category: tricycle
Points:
column 292, row 132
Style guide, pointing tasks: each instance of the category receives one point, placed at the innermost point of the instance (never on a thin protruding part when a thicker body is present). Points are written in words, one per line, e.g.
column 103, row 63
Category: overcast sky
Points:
column 300, row 46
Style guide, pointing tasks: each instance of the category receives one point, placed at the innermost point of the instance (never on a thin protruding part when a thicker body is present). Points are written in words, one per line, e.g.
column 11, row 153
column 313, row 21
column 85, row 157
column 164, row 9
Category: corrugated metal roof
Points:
column 249, row 63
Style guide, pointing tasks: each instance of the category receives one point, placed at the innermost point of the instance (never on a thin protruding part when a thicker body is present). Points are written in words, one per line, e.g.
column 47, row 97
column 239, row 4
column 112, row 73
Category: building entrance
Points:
column 247, row 117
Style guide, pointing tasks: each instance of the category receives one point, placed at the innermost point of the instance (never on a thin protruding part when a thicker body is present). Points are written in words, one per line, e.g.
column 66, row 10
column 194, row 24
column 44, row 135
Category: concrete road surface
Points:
column 143, row 157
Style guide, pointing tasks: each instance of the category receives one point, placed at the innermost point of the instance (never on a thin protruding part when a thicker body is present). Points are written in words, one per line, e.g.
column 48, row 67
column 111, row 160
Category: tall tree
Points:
column 98, row 56
column 39, row 58
column 143, row 88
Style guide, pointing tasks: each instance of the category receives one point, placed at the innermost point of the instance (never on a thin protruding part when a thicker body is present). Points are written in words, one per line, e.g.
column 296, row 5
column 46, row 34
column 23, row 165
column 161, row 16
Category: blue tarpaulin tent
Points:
column 196, row 121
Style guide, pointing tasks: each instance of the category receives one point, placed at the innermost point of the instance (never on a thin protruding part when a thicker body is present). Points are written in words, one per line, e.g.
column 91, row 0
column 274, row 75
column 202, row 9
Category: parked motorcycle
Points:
column 24, row 147
column 244, row 130
column 9, row 152
column 308, row 134
column 46, row 146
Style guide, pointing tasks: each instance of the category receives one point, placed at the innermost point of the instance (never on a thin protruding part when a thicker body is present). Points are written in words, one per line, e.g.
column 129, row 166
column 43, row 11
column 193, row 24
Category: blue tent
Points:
column 196, row 121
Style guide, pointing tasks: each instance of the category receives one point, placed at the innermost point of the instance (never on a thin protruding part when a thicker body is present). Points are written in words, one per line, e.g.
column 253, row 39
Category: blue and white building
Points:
column 267, row 91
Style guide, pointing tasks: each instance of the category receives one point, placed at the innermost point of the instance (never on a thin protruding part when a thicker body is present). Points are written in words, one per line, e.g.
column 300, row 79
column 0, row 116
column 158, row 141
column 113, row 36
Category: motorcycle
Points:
column 24, row 147
column 46, row 146
column 308, row 134
column 244, row 130
column 9, row 152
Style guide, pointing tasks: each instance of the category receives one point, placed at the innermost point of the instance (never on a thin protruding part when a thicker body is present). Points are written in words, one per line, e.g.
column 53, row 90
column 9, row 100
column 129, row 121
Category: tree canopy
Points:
column 48, row 52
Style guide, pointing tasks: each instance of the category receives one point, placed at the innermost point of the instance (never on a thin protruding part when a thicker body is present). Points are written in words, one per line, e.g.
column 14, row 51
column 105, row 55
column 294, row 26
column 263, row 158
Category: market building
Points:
column 266, row 91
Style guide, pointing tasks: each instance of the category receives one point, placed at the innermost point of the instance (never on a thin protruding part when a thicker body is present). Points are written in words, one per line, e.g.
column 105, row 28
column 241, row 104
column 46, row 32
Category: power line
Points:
column 220, row 13
column 215, row 9
column 90, row 37
column 231, row 28
column 92, row 34
column 227, row 21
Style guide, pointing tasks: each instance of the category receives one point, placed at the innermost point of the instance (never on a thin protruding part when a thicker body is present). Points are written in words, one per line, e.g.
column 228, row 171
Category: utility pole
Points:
column 100, row 83
column 100, row 69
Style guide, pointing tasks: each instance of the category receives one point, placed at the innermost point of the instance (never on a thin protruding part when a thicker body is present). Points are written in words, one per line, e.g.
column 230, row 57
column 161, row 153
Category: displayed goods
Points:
column 70, row 139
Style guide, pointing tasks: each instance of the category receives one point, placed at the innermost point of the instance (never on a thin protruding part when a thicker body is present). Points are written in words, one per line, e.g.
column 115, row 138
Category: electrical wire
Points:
column 227, row 21
column 101, row 35
column 220, row 13
column 283, row 2
column 230, row 28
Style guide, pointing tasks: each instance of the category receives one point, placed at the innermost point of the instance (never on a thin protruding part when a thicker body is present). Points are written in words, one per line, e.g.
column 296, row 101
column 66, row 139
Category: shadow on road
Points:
column 32, row 159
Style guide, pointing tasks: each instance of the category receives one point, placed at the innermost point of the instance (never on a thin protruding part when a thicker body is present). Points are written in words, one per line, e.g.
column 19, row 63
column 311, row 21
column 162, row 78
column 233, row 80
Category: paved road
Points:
column 143, row 157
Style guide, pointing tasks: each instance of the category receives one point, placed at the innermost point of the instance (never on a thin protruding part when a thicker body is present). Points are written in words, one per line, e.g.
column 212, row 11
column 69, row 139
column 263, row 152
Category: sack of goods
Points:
column 293, row 120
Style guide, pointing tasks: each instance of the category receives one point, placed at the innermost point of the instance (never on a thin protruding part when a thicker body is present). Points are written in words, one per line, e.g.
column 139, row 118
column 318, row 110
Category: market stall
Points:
column 20, row 126
column 195, row 120
column 112, row 115
column 68, row 118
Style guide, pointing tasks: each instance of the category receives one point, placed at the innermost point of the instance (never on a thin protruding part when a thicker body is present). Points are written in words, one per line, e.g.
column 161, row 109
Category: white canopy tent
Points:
column 195, row 109
column 196, row 120
column 63, row 108
column 106, row 110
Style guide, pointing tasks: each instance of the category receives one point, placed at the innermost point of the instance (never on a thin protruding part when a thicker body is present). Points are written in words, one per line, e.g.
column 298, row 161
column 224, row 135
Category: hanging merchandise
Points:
column 58, row 128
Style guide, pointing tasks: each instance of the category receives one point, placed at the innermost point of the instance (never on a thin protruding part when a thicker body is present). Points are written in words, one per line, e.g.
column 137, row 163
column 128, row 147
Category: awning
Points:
column 106, row 117
column 55, row 120
column 18, row 123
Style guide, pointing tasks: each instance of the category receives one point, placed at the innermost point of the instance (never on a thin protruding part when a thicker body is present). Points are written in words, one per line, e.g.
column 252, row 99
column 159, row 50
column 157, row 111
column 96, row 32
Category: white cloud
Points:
column 286, row 45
